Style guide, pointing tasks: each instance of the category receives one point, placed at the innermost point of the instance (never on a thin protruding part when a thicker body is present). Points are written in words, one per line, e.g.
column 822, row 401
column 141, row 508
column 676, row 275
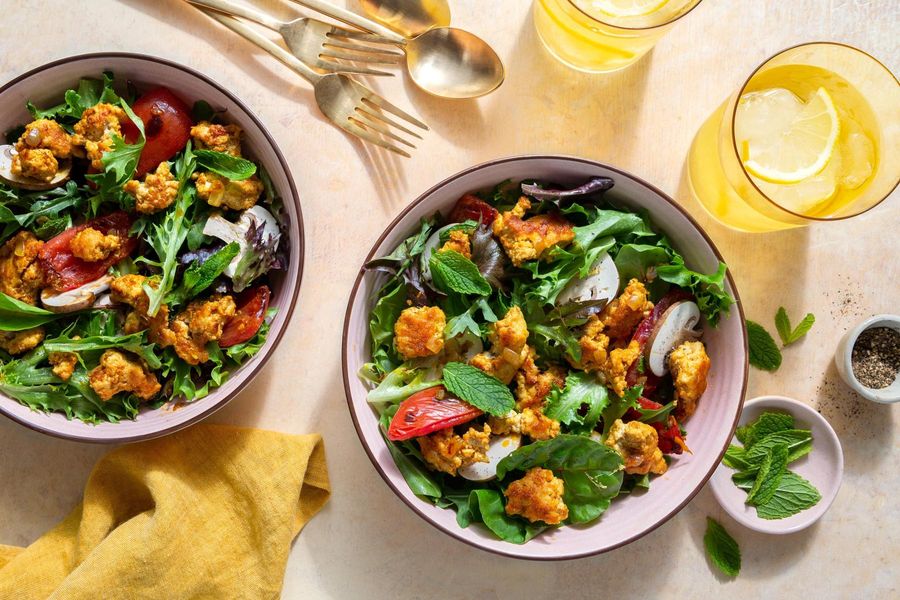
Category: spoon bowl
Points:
column 453, row 63
column 408, row 17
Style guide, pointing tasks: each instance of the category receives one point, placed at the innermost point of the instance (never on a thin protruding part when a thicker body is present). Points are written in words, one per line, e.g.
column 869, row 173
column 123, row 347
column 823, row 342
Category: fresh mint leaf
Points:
column 770, row 471
column 787, row 334
column 793, row 495
column 479, row 389
column 721, row 548
column 226, row 165
column 798, row 441
column 453, row 272
column 766, row 423
column 736, row 458
column 200, row 275
column 16, row 315
column 567, row 405
column 565, row 452
column 764, row 354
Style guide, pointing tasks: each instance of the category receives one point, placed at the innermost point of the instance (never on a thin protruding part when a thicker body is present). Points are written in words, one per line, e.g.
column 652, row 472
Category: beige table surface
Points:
column 366, row 543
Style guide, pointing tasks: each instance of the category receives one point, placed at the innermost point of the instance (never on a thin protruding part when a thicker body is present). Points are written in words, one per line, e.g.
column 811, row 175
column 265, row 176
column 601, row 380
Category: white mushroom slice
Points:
column 104, row 301
column 499, row 448
column 6, row 155
column 597, row 436
column 77, row 299
column 601, row 283
column 219, row 227
column 434, row 240
column 675, row 326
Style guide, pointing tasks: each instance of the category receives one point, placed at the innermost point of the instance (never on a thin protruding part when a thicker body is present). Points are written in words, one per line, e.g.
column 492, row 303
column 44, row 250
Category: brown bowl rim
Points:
column 362, row 272
column 256, row 363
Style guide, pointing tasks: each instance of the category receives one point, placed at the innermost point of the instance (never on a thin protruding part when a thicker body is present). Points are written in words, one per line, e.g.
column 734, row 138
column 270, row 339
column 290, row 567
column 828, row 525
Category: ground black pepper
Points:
column 876, row 357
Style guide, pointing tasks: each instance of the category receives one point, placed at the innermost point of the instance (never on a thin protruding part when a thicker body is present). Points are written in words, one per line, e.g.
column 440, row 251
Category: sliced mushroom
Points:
column 6, row 155
column 674, row 327
column 601, row 283
column 463, row 347
column 499, row 448
column 219, row 227
column 105, row 301
column 77, row 299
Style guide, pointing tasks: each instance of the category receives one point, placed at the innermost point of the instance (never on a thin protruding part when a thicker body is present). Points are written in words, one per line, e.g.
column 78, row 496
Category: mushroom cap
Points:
column 79, row 298
column 499, row 448
column 675, row 326
column 601, row 283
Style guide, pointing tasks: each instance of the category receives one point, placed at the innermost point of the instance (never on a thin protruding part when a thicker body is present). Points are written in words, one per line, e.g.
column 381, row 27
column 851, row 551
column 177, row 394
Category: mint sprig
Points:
column 721, row 548
column 451, row 271
column 788, row 334
column 764, row 354
column 770, row 471
column 479, row 389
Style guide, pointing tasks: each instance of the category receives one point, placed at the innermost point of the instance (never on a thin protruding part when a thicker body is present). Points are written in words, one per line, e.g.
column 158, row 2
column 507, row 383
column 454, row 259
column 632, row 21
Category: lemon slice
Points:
column 796, row 140
column 628, row 8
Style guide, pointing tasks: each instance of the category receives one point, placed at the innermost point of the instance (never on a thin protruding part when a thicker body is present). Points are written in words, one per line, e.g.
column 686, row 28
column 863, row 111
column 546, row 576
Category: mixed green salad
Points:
column 136, row 244
column 535, row 353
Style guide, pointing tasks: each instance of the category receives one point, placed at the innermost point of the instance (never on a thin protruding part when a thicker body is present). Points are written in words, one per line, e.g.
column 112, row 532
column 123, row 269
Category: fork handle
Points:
column 266, row 44
column 234, row 9
column 351, row 18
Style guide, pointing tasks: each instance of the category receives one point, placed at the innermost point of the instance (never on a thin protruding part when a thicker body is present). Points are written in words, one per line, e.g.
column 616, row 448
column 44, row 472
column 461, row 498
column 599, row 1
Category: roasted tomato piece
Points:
column 65, row 271
column 167, row 127
column 670, row 439
column 633, row 414
column 472, row 208
column 429, row 411
column 248, row 318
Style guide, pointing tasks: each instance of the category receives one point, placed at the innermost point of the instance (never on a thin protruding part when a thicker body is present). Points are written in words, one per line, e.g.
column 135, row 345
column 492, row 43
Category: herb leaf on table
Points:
column 790, row 335
column 764, row 354
column 721, row 548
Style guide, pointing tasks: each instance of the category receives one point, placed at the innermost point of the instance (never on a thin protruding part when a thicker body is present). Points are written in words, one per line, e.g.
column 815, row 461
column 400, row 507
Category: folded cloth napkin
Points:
column 208, row 512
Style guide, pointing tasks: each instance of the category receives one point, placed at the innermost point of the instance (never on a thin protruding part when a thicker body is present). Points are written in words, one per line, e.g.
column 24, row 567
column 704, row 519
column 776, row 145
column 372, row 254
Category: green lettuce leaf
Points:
column 226, row 165
column 567, row 405
column 486, row 506
column 88, row 93
column 565, row 452
column 16, row 315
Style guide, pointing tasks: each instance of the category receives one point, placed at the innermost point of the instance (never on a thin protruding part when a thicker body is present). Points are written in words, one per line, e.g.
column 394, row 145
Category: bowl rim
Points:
column 802, row 410
column 457, row 534
column 845, row 354
column 256, row 363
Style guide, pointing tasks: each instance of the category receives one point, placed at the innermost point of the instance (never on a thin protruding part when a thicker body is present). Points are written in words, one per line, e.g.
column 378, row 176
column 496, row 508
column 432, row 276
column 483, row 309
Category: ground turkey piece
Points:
column 446, row 451
column 200, row 323
column 218, row 138
column 34, row 163
column 459, row 242
column 38, row 148
column 119, row 372
column 533, row 386
column 594, row 346
column 95, row 131
column 638, row 444
column 508, row 347
column 91, row 245
column 419, row 331
column 63, row 364
column 538, row 496
column 19, row 342
column 528, row 239
column 156, row 193
column 21, row 275
column 219, row 191
column 622, row 316
column 616, row 367
column 689, row 365
column 129, row 289
column 531, row 422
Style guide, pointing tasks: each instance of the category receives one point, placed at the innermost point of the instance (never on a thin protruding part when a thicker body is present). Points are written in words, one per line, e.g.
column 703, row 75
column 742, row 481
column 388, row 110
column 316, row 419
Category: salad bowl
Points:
column 44, row 86
column 710, row 429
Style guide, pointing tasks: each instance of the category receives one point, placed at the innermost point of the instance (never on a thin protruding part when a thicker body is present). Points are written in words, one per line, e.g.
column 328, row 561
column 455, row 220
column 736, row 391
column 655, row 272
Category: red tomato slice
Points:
column 633, row 414
column 64, row 271
column 472, row 208
column 429, row 411
column 670, row 440
column 167, row 127
column 248, row 318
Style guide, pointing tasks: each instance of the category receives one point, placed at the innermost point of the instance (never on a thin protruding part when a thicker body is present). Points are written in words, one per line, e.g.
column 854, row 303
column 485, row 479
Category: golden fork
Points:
column 350, row 105
column 320, row 45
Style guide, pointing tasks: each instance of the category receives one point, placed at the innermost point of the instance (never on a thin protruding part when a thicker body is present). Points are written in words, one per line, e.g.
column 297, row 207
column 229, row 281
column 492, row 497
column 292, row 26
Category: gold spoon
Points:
column 409, row 17
column 444, row 61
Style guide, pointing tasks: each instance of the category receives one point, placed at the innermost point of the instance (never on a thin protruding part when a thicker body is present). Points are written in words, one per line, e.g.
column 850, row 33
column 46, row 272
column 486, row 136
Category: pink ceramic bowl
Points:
column 710, row 429
column 45, row 86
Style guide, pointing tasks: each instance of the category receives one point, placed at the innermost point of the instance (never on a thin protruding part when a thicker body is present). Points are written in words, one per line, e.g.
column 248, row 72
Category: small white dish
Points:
column 844, row 351
column 823, row 467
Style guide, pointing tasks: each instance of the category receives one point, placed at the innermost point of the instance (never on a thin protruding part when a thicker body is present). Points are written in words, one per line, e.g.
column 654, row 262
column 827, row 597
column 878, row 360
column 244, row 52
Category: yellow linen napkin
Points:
column 208, row 512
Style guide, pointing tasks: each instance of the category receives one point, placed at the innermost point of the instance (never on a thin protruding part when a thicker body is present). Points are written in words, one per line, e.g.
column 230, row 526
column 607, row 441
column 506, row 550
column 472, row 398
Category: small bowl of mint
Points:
column 868, row 359
column 783, row 468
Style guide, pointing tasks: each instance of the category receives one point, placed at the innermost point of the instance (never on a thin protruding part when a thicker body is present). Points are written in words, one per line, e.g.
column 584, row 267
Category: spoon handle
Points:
column 266, row 44
column 234, row 9
column 351, row 18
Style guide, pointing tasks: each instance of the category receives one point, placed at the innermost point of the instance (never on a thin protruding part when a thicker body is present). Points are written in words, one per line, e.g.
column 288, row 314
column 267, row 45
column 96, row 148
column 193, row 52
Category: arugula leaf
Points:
column 451, row 271
column 200, row 275
column 486, row 506
column 766, row 423
column 619, row 406
column 565, row 452
column 38, row 211
column 793, row 495
column 88, row 93
column 770, row 471
column 226, row 165
column 123, row 158
column 638, row 261
column 400, row 384
column 764, row 354
column 479, row 389
column 565, row 405
column 786, row 333
column 721, row 548
column 16, row 315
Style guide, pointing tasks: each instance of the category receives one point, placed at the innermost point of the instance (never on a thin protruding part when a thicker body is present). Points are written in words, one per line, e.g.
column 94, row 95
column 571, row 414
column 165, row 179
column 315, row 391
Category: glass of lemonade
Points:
column 812, row 135
column 599, row 36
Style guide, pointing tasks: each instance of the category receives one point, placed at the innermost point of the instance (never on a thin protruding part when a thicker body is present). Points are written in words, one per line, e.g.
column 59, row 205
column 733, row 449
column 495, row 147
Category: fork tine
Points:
column 352, row 127
column 371, row 123
column 359, row 35
column 380, row 102
column 360, row 57
column 336, row 67
column 331, row 43
column 387, row 120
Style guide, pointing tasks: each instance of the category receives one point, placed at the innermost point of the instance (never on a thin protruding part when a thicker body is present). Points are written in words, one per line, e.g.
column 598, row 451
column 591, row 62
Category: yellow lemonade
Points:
column 797, row 143
column 604, row 35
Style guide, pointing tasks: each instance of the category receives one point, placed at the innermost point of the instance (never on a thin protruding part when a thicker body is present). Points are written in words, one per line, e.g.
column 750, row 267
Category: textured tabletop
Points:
column 366, row 543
